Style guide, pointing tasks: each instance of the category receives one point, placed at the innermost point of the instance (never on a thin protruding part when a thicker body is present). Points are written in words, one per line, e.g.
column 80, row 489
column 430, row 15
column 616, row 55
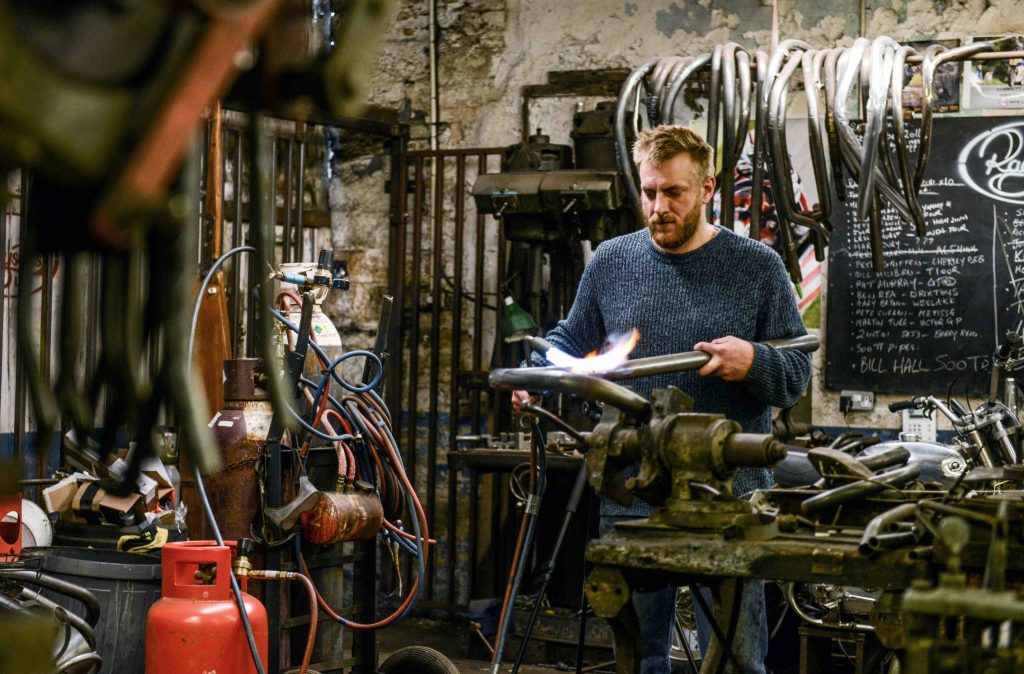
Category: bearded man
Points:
column 686, row 284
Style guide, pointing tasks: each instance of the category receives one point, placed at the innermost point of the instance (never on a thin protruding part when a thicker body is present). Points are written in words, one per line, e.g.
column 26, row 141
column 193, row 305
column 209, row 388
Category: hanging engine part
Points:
column 196, row 626
column 547, row 208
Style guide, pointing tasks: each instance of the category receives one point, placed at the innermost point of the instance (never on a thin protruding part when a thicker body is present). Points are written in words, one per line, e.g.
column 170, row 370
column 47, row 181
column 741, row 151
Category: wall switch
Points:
column 856, row 401
column 918, row 426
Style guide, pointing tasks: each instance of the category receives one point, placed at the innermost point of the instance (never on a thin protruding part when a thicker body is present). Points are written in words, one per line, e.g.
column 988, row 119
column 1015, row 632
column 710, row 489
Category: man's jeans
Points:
column 656, row 612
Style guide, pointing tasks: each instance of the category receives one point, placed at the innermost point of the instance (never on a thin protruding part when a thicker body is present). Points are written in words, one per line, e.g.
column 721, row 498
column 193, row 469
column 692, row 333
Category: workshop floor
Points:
column 452, row 639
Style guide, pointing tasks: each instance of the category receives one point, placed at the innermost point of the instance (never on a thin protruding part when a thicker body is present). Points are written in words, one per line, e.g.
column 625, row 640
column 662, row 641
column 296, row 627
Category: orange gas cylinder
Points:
column 195, row 627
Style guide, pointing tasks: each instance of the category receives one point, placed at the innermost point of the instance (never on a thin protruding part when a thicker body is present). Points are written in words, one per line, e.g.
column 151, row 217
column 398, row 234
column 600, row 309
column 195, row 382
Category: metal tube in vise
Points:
column 693, row 360
column 598, row 386
column 673, row 362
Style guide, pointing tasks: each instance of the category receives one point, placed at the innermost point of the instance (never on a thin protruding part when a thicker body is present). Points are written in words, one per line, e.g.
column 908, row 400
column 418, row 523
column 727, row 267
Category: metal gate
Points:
column 448, row 267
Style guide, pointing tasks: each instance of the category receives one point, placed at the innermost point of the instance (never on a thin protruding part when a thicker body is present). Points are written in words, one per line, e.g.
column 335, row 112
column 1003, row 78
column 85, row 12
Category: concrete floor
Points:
column 452, row 640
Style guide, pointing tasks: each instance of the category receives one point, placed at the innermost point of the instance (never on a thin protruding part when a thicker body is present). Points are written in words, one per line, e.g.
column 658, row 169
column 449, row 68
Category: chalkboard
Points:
column 936, row 313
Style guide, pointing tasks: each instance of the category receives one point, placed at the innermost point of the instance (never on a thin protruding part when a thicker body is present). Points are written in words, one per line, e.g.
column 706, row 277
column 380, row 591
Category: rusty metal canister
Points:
column 351, row 515
column 240, row 429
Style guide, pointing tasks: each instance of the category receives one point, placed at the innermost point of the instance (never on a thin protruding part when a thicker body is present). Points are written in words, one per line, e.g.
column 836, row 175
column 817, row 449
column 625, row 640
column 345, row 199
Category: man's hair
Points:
column 662, row 143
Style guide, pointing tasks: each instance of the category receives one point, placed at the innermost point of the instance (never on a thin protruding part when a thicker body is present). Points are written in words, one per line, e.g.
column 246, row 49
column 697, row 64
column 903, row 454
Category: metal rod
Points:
column 478, row 302
column 45, row 361
column 499, row 485
column 853, row 491
column 397, row 252
column 692, row 360
column 6, row 212
column 455, row 152
column 984, row 56
column 453, row 389
column 474, row 513
column 414, row 312
column 20, row 389
column 286, row 233
column 476, row 394
column 300, row 195
column 254, row 271
column 558, row 379
column 235, row 281
column 437, row 269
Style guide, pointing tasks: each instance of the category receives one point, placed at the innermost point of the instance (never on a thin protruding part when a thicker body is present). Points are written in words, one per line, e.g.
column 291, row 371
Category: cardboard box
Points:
column 95, row 505
column 86, row 501
column 155, row 469
column 57, row 497
column 165, row 495
column 147, row 488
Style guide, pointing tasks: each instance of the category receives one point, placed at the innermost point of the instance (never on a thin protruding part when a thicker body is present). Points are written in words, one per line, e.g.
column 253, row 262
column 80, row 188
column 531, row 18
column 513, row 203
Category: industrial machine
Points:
column 548, row 205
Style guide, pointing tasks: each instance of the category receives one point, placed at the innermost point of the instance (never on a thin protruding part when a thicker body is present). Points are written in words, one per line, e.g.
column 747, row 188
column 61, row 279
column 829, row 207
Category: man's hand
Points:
column 520, row 397
column 731, row 358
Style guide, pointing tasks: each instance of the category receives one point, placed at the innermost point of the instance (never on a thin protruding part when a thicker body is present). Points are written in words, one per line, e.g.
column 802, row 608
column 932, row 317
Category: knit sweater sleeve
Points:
column 778, row 377
column 583, row 331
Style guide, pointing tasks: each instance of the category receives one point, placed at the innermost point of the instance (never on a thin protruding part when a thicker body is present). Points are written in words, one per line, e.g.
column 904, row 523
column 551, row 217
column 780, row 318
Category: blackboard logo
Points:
column 992, row 163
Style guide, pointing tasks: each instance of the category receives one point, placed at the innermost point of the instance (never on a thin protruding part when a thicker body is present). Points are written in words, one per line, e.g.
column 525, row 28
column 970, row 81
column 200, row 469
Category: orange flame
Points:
column 612, row 356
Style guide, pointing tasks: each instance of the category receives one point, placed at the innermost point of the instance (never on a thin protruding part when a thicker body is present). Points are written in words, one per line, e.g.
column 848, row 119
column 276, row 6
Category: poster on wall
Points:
column 996, row 84
column 947, row 80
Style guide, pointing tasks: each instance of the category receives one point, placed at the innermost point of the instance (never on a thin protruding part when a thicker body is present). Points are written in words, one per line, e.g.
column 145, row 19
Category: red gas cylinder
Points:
column 195, row 627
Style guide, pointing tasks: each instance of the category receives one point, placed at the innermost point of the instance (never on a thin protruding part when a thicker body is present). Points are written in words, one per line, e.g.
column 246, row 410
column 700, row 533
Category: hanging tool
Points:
column 213, row 329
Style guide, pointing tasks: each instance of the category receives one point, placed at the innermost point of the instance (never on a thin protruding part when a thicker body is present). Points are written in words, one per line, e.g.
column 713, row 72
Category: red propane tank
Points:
column 195, row 627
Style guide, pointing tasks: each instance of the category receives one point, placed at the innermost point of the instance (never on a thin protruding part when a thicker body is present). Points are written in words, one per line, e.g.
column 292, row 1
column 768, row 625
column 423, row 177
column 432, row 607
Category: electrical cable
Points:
column 201, row 488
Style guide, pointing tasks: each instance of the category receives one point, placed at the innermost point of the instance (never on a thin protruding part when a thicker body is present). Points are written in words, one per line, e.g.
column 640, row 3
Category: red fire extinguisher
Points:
column 195, row 627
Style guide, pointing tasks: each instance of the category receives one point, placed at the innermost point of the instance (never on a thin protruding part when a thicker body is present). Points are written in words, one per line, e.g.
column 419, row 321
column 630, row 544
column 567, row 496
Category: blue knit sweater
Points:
column 731, row 285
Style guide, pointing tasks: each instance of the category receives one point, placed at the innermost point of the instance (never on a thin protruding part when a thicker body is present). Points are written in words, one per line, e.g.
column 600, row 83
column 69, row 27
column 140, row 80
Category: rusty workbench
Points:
column 636, row 557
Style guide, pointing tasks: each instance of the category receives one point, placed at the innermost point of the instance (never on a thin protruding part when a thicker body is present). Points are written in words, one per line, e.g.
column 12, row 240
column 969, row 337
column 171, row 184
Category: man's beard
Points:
column 680, row 233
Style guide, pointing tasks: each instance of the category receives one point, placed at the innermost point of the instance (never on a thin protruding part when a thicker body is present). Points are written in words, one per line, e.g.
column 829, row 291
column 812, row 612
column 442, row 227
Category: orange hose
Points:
column 350, row 457
column 311, row 592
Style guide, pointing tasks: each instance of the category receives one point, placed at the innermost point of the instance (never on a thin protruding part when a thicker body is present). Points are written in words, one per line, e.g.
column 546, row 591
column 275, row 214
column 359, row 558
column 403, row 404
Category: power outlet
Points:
column 856, row 401
column 917, row 424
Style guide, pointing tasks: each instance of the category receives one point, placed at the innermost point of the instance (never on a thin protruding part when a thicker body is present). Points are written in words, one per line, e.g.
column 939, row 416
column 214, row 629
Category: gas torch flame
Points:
column 614, row 354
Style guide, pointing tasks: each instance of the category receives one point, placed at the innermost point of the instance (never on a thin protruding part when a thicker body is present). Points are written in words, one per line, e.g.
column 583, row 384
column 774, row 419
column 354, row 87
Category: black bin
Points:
column 125, row 585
